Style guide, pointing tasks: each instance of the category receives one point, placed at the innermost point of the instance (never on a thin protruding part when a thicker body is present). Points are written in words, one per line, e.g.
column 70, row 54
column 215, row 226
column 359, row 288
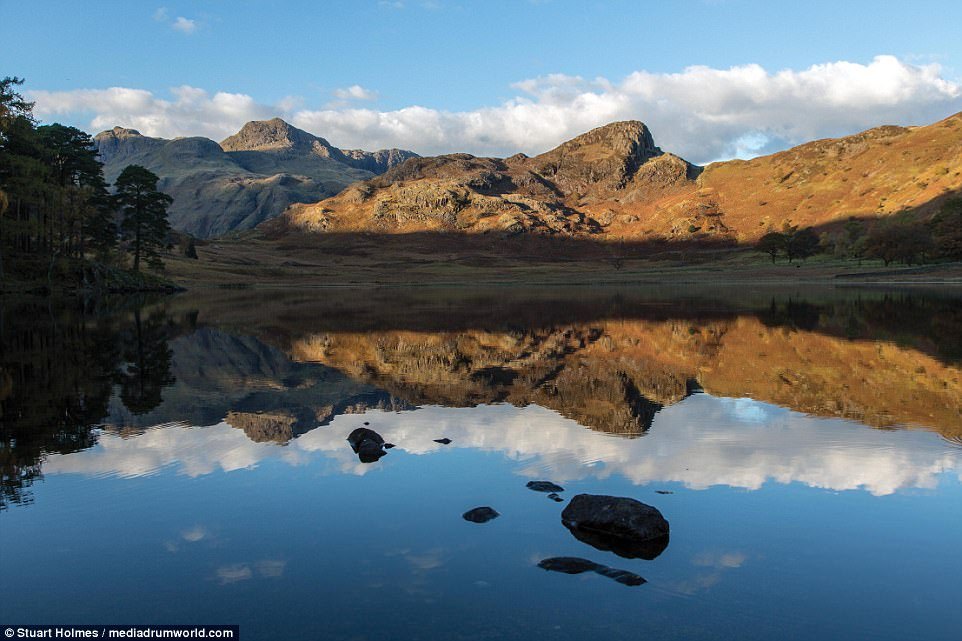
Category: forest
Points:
column 61, row 225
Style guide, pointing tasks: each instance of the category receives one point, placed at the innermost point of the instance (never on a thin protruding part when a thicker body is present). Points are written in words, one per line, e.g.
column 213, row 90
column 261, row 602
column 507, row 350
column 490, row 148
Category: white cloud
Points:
column 700, row 113
column 184, row 25
column 722, row 448
column 355, row 92
column 191, row 112
column 161, row 14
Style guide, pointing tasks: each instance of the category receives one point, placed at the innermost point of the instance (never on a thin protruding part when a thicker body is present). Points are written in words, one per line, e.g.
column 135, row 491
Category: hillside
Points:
column 613, row 183
column 248, row 178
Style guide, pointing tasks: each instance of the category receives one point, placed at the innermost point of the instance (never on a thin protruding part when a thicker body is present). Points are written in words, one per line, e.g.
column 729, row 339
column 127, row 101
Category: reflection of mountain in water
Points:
column 555, row 368
column 255, row 386
column 610, row 364
column 615, row 375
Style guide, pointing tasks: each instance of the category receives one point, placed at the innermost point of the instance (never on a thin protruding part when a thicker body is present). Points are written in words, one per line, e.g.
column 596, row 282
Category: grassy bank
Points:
column 377, row 261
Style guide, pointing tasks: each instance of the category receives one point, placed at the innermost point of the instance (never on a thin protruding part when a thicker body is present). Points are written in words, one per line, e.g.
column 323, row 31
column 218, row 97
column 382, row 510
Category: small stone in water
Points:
column 480, row 515
column 544, row 486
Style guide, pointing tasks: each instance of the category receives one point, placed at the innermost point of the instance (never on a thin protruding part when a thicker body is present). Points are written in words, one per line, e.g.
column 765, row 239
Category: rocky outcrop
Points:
column 377, row 162
column 605, row 158
column 545, row 195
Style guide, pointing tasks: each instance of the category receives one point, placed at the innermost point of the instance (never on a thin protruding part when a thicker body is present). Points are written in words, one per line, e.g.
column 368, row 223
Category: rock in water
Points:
column 627, row 527
column 544, row 486
column 480, row 515
column 568, row 565
column 575, row 565
column 554, row 497
column 367, row 444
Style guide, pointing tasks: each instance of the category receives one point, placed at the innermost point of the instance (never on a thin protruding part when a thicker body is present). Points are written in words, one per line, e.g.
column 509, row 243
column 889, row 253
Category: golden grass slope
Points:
column 612, row 183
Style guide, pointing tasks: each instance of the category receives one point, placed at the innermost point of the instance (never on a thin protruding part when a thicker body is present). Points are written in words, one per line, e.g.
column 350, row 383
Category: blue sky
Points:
column 458, row 65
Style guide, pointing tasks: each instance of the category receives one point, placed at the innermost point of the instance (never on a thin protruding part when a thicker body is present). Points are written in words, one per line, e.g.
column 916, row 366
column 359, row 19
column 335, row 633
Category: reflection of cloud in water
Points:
column 719, row 560
column 195, row 534
column 700, row 442
column 266, row 569
column 717, row 564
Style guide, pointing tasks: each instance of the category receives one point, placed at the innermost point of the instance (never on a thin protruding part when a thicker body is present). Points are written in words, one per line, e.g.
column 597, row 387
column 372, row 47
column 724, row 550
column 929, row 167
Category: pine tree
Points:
column 144, row 225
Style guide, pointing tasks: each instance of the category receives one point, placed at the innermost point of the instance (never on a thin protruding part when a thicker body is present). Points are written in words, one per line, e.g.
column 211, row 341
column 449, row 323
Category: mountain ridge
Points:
column 246, row 179
column 614, row 183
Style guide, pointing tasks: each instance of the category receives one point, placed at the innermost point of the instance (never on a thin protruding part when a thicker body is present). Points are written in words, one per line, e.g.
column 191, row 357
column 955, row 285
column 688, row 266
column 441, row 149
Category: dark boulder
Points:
column 367, row 444
column 480, row 515
column 554, row 497
column 575, row 565
column 544, row 486
column 627, row 527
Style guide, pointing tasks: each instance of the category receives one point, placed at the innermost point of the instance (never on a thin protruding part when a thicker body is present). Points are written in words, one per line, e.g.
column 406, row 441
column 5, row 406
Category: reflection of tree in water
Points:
column 59, row 366
column 148, row 359
column 921, row 321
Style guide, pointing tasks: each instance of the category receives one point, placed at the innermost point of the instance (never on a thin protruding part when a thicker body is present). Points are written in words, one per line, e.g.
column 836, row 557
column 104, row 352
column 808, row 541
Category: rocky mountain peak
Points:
column 271, row 135
column 117, row 132
column 626, row 136
column 608, row 156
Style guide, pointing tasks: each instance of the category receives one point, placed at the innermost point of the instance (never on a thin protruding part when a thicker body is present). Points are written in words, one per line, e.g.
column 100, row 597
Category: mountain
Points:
column 614, row 183
column 246, row 179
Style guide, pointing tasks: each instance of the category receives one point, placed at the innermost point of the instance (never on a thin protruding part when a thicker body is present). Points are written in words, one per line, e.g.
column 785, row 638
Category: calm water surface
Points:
column 186, row 461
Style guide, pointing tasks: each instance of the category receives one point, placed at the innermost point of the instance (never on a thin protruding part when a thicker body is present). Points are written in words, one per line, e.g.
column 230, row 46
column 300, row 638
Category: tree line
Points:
column 57, row 212
column 902, row 238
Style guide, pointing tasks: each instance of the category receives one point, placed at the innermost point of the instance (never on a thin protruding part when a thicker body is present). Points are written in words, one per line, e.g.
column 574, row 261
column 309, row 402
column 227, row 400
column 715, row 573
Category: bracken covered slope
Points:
column 614, row 183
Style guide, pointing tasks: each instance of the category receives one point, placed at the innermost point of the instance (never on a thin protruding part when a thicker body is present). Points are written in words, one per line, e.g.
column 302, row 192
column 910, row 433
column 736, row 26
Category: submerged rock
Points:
column 575, row 565
column 367, row 444
column 554, row 497
column 622, row 576
column 443, row 441
column 480, row 515
column 544, row 486
column 627, row 527
column 568, row 565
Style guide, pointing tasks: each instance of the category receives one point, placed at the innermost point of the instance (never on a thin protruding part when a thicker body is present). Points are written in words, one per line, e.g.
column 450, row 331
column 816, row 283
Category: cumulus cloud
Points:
column 355, row 92
column 700, row 113
column 190, row 112
column 184, row 25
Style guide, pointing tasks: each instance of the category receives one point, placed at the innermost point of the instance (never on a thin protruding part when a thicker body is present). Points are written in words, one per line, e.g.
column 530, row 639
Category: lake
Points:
column 186, row 460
